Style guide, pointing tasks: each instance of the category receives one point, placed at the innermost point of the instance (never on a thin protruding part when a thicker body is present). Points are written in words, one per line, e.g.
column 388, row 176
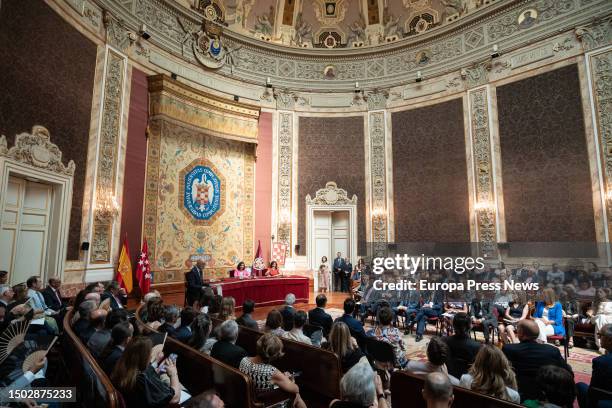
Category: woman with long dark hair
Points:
column 139, row 382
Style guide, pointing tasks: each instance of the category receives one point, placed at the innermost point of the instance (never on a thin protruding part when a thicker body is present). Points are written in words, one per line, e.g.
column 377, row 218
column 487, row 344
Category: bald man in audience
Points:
column 93, row 296
column 528, row 356
column 438, row 391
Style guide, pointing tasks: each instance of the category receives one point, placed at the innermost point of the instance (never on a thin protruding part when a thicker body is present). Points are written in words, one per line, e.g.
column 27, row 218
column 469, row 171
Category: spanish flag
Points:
column 124, row 269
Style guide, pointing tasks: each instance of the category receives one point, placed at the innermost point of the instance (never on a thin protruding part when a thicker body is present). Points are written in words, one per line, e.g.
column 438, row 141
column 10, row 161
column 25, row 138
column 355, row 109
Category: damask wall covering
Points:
column 47, row 79
column 430, row 174
column 135, row 161
column 546, row 180
column 331, row 149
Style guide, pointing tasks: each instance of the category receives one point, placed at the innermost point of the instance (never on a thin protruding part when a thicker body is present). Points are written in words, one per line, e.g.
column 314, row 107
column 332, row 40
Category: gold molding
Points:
column 221, row 117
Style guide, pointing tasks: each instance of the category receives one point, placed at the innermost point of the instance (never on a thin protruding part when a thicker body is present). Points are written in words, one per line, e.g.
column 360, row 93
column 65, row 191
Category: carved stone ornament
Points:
column 596, row 35
column 37, row 150
column 331, row 195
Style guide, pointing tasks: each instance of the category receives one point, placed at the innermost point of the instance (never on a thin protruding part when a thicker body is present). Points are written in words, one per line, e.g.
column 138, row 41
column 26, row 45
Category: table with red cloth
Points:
column 263, row 291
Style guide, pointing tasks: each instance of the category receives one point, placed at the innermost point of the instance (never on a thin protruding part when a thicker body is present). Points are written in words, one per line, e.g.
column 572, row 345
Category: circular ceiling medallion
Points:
column 210, row 13
column 421, row 26
column 330, row 41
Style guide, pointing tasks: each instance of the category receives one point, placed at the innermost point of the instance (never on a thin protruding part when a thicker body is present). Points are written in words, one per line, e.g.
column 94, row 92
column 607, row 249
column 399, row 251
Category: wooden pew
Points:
column 199, row 372
column 406, row 390
column 94, row 388
column 320, row 369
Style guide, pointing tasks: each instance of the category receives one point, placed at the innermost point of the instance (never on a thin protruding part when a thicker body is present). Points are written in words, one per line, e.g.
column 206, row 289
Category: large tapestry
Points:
column 430, row 189
column 173, row 229
column 547, row 184
column 331, row 149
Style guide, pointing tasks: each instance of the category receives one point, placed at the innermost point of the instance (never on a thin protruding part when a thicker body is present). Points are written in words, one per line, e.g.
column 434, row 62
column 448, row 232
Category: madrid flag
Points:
column 143, row 270
column 124, row 269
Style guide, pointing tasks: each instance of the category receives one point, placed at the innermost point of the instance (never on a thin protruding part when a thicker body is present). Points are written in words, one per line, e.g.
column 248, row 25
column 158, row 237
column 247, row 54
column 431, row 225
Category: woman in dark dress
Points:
column 139, row 382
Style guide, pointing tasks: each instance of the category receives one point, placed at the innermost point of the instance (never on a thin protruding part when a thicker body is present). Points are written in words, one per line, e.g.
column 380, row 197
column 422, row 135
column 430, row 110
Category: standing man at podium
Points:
column 195, row 281
column 338, row 271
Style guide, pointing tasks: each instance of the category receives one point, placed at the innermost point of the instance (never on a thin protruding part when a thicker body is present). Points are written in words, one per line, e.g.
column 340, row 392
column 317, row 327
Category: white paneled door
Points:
column 25, row 229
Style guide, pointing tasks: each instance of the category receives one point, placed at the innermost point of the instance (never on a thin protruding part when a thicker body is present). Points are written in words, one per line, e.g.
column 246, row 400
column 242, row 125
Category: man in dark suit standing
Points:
column 528, row 356
column 52, row 295
column 248, row 306
column 318, row 316
column 338, row 269
column 347, row 271
column 195, row 281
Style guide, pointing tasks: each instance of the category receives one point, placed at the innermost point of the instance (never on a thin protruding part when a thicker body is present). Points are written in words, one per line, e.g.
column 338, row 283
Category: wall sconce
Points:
column 107, row 207
column 379, row 218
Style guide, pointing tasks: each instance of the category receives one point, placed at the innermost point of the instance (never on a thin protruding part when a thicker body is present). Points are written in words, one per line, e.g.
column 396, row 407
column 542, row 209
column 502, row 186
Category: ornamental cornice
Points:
column 436, row 52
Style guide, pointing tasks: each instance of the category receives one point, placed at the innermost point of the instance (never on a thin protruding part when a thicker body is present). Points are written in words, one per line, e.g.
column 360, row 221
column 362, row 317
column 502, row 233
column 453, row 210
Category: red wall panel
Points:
column 263, row 185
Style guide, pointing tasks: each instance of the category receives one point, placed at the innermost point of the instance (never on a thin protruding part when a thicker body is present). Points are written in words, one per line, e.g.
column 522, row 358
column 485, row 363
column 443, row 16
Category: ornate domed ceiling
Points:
column 331, row 24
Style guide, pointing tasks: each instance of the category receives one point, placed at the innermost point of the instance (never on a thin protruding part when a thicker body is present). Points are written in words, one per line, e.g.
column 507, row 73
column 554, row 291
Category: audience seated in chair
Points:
column 354, row 325
column 361, row 387
column 228, row 307
column 183, row 332
column 342, row 344
column 139, row 380
column 438, row 391
column 517, row 310
column 121, row 334
column 200, row 332
column 549, row 316
column 318, row 316
column 462, row 349
column 248, row 307
column 225, row 349
column 207, row 399
column 384, row 331
column 601, row 314
column 296, row 333
column 601, row 377
column 171, row 316
column 274, row 321
column 482, row 313
column 432, row 308
column 265, row 376
column 491, row 374
column 82, row 326
column 101, row 335
column 116, row 294
column 528, row 356
column 556, row 388
column 288, row 311
column 437, row 355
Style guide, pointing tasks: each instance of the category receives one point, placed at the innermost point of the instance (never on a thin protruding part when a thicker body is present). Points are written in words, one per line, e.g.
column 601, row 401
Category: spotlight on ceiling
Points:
column 144, row 33
column 495, row 52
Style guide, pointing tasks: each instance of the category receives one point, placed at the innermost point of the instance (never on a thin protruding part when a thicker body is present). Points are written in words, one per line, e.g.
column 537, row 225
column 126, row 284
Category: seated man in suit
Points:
column 433, row 307
column 319, row 317
column 408, row 307
column 462, row 349
column 354, row 325
column 528, row 356
column 602, row 370
column 195, row 282
column 171, row 315
column 288, row 311
column 183, row 332
column 368, row 305
column 52, row 295
column 482, row 312
column 248, row 306
column 116, row 294
column 225, row 349
column 121, row 334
